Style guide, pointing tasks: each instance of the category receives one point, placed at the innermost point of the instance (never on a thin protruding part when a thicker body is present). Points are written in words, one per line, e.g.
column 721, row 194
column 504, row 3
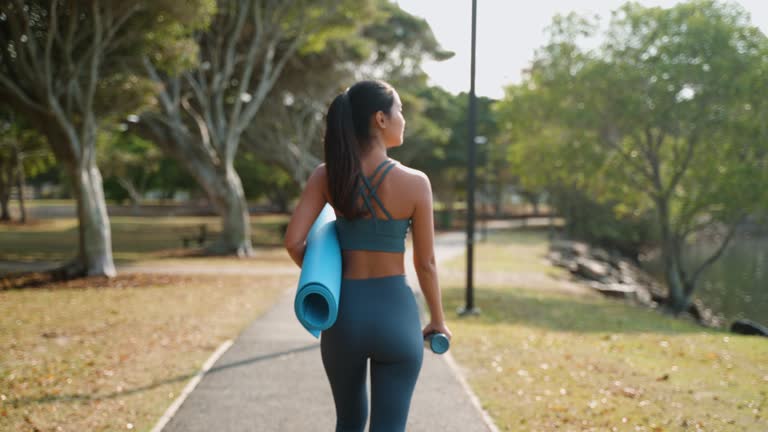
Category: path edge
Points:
column 489, row 423
column 171, row 410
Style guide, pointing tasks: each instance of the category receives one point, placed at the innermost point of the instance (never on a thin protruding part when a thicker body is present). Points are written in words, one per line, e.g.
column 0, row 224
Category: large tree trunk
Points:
column 235, row 221
column 678, row 295
column 6, row 184
column 20, row 183
column 5, row 214
column 225, row 192
column 215, row 174
column 95, row 252
column 133, row 194
column 498, row 198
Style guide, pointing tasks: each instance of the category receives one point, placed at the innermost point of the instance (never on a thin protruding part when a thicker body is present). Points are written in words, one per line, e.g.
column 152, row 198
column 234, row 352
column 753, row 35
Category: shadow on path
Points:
column 78, row 397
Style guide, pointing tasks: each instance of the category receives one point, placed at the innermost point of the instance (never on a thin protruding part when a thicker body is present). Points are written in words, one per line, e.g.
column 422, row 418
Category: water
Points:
column 736, row 285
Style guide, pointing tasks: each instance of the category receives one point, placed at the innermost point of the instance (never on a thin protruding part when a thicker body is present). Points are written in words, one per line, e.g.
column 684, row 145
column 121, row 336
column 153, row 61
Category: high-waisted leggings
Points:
column 378, row 318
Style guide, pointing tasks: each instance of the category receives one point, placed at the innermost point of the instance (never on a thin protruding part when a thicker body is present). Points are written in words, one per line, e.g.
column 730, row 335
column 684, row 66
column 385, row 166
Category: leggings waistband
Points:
column 381, row 280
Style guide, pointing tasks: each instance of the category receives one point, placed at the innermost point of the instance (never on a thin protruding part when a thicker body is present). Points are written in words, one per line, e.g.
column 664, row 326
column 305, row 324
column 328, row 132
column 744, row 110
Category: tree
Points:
column 661, row 120
column 288, row 132
column 401, row 43
column 69, row 66
column 130, row 160
column 262, row 179
column 203, row 112
column 23, row 153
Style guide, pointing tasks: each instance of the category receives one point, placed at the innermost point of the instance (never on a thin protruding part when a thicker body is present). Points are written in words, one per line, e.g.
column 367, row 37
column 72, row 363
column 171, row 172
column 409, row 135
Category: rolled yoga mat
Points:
column 317, row 297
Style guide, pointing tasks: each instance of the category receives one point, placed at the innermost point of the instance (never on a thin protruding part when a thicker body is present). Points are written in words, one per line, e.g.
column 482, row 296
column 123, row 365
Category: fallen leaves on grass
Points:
column 99, row 354
column 121, row 281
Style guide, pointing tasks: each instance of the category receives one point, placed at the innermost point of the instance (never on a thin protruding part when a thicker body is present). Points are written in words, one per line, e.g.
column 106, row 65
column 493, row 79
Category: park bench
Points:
column 199, row 236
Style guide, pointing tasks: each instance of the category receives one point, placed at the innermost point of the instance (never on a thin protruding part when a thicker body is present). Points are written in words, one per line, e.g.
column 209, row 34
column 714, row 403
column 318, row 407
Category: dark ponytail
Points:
column 348, row 136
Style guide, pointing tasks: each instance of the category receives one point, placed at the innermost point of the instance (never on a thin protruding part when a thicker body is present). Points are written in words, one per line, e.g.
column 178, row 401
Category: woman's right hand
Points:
column 436, row 327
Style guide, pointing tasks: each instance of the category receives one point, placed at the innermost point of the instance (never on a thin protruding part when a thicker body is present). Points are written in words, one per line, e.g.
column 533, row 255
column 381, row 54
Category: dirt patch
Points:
column 128, row 280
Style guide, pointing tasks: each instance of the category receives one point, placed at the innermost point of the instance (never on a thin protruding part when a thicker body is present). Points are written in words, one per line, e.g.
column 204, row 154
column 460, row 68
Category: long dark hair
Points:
column 348, row 135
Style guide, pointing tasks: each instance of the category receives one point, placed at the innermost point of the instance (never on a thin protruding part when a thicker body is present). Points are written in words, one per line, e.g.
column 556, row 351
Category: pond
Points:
column 736, row 285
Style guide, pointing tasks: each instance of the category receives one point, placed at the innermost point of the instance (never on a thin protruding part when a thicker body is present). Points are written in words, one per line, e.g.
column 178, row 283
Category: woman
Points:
column 376, row 200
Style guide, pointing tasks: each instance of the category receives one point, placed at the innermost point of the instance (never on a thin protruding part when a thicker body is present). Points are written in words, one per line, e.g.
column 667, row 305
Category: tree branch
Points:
column 613, row 143
column 212, row 151
column 715, row 256
column 689, row 229
column 162, row 95
column 221, row 80
column 235, row 131
column 13, row 89
column 31, row 42
column 204, row 100
column 692, row 140
column 74, row 144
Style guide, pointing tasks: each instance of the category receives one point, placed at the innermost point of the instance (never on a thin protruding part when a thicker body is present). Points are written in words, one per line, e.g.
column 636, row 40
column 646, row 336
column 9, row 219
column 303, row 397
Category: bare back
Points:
column 401, row 193
column 406, row 193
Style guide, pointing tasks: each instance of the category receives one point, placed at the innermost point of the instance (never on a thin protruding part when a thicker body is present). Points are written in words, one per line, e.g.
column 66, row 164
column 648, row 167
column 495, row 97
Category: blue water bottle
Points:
column 437, row 342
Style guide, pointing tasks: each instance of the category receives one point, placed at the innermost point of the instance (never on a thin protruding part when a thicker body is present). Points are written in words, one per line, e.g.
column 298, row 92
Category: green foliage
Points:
column 440, row 148
column 19, row 140
column 346, row 19
column 602, row 224
column 389, row 44
column 403, row 41
column 128, row 164
column 661, row 120
column 113, row 36
column 265, row 180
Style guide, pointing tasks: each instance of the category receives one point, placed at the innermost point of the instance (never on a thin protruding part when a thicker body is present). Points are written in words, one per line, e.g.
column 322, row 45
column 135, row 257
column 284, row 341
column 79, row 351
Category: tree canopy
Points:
column 661, row 120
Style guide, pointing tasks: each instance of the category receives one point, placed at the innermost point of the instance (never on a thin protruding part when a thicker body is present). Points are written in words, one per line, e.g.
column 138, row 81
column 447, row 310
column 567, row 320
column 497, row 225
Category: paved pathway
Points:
column 272, row 379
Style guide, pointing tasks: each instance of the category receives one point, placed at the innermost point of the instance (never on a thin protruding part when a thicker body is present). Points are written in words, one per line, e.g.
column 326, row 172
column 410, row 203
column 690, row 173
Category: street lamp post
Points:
column 481, row 140
column 469, row 308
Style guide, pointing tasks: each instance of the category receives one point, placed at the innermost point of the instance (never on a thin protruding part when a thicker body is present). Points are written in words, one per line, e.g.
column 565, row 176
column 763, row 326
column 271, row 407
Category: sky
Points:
column 508, row 33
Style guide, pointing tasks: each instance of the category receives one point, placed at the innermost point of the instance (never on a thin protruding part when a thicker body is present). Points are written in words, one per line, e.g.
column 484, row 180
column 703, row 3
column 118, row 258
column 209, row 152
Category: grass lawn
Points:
column 106, row 355
column 102, row 355
column 133, row 238
column 547, row 354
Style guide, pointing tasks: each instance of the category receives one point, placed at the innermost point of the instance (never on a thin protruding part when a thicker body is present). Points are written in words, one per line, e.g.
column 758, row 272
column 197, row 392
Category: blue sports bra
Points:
column 374, row 234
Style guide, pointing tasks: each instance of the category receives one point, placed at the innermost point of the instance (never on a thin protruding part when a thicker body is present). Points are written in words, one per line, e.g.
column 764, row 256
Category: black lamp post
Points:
column 469, row 308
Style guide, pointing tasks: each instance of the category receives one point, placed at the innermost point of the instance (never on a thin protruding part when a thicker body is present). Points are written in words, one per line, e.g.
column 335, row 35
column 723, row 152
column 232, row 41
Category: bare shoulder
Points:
column 319, row 179
column 320, row 170
column 413, row 182
column 413, row 176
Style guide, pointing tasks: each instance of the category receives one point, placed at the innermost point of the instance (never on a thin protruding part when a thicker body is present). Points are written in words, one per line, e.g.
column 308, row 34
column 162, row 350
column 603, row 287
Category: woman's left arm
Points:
column 311, row 203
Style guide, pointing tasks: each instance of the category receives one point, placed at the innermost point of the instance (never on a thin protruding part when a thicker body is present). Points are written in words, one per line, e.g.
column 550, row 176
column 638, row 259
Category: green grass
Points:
column 133, row 238
column 509, row 251
column 46, row 203
column 541, row 358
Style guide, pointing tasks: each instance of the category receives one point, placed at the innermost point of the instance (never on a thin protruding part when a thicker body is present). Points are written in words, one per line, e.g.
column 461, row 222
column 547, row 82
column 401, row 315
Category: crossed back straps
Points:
column 368, row 185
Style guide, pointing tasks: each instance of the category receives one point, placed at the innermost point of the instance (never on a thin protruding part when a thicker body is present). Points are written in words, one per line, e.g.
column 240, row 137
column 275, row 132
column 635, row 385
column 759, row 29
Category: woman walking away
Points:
column 376, row 200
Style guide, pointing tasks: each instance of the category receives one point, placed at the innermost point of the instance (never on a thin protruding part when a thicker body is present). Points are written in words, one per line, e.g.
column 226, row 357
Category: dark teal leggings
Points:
column 378, row 319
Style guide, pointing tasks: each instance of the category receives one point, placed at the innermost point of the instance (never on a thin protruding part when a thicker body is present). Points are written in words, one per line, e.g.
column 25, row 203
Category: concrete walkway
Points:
column 272, row 379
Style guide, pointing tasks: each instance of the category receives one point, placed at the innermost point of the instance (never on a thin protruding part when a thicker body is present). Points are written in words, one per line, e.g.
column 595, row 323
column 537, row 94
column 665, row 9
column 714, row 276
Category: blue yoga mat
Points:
column 317, row 297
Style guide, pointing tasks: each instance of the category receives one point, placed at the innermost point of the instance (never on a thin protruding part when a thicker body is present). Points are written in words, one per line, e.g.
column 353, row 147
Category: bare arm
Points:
column 311, row 202
column 424, row 261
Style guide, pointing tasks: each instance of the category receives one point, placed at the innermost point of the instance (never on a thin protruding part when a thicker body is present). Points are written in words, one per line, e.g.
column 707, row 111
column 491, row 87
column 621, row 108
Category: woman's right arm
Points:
column 423, row 233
